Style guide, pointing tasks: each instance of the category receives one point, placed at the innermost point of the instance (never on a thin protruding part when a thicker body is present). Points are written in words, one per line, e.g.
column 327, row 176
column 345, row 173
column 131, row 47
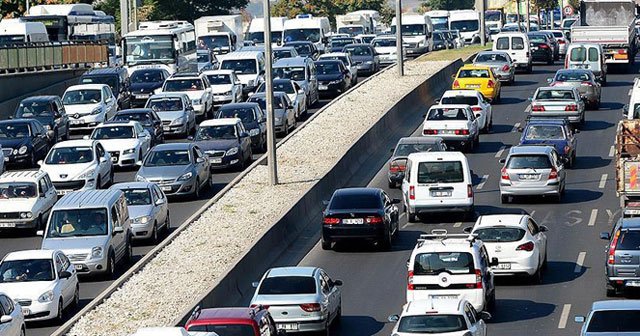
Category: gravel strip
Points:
column 180, row 273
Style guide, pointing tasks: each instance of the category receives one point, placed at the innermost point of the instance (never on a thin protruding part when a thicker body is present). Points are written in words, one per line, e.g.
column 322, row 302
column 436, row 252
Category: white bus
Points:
column 170, row 45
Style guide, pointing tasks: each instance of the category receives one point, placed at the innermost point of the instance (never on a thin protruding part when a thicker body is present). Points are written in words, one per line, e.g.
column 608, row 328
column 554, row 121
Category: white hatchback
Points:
column 476, row 100
column 440, row 317
column 88, row 105
column 126, row 141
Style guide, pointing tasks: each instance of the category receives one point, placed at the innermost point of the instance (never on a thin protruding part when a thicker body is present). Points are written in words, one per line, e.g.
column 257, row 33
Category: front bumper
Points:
column 224, row 162
column 364, row 68
column 63, row 188
column 142, row 231
column 330, row 89
column 571, row 116
column 30, row 223
column 179, row 188
column 180, row 129
column 85, row 122
column 18, row 159
column 91, row 266
column 139, row 100
column 416, row 50
column 221, row 100
column 124, row 160
column 38, row 311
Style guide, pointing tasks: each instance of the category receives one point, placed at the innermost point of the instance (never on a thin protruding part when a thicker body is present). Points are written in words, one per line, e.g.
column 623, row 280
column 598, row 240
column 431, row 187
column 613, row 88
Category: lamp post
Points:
column 268, row 81
column 399, row 54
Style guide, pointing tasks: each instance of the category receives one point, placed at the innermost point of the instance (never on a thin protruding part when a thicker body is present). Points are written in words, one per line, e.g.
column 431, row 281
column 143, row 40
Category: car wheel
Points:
column 529, row 68
column 286, row 129
column 129, row 257
column 55, row 136
column 196, row 192
column 392, row 185
column 59, row 317
column 326, row 245
column 491, row 303
column 411, row 217
column 23, row 332
column 76, row 298
column 154, row 234
column 98, row 183
column 385, row 243
column 32, row 160
column 111, row 266
column 536, row 278
column 611, row 291
column 167, row 222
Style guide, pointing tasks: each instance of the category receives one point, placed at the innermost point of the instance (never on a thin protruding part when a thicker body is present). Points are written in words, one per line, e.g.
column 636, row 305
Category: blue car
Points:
column 552, row 132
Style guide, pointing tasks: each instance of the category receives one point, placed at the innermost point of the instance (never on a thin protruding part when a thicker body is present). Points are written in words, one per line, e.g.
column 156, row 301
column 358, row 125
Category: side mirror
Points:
column 502, row 161
column 437, row 101
column 10, row 117
column 139, row 162
column 86, row 137
column 393, row 318
column 576, row 131
column 549, row 80
column 244, row 135
column 255, row 284
column 40, row 162
column 543, row 228
column 190, row 138
column 64, row 275
column 579, row 319
column 160, row 201
column 40, row 233
column 249, row 94
column 520, row 129
column 605, row 235
column 118, row 229
column 453, row 76
column 325, row 203
column 337, row 282
column 5, row 319
column 625, row 109
column 103, row 159
column 494, row 262
column 483, row 315
column 199, row 160
column 396, row 201
column 467, row 229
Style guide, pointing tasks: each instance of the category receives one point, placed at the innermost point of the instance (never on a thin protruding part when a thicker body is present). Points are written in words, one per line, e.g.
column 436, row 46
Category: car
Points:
column 49, row 111
column 561, row 40
column 303, row 71
column 126, row 141
column 385, row 47
column 541, row 48
column 558, row 102
column 296, row 94
column 478, row 103
column 88, row 105
column 206, row 60
column 360, row 214
column 42, row 282
column 581, row 79
column 300, row 299
column 283, row 110
column 118, row 80
column 23, row 141
column 148, row 209
column 11, row 317
column 348, row 63
column 284, row 52
column 553, row 42
column 501, row 63
column 364, row 56
column 3, row 168
column 517, row 241
column 336, row 44
column 480, row 78
column 456, row 124
column 439, row 41
column 197, row 87
column 225, row 142
column 611, row 317
column 622, row 256
column 244, row 321
column 451, row 266
column 517, row 45
column 439, row 317
column 406, row 146
column 149, row 120
column 552, row 132
column 78, row 165
column 145, row 83
column 225, row 86
column 178, row 168
column 333, row 77
column 175, row 111
column 365, row 38
column 26, row 198
column 531, row 170
column 455, row 36
column 304, row 48
column 588, row 56
column 253, row 119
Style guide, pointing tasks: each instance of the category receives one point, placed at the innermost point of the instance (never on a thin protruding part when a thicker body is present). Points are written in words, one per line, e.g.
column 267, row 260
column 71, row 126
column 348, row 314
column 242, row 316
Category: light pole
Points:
column 399, row 54
column 124, row 17
column 268, row 81
column 483, row 33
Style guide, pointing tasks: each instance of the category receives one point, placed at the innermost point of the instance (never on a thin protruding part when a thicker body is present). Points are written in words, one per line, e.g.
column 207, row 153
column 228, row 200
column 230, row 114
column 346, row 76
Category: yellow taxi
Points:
column 479, row 78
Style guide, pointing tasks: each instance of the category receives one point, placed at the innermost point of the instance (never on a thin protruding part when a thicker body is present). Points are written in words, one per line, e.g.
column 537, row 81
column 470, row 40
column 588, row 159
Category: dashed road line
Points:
column 532, row 213
column 594, row 216
column 457, row 224
column 515, row 127
column 564, row 316
column 580, row 262
column 603, row 181
column 500, row 151
column 482, row 182
column 612, row 150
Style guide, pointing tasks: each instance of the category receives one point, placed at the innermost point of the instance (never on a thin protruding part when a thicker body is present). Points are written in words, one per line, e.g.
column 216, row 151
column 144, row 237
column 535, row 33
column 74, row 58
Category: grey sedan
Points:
column 406, row 146
column 558, row 102
column 178, row 168
column 364, row 56
column 500, row 62
column 175, row 111
column 583, row 80
column 283, row 110
column 148, row 209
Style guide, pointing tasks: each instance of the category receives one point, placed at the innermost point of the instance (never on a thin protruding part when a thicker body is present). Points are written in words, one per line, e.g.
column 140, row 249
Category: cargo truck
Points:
column 627, row 156
column 221, row 34
column 256, row 31
column 354, row 24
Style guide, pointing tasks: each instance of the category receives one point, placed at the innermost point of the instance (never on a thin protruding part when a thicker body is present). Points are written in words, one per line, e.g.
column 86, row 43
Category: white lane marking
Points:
column 482, row 182
column 532, row 213
column 457, row 224
column 580, row 262
column 594, row 216
column 406, row 224
column 515, row 127
column 612, row 151
column 564, row 316
column 403, row 214
column 603, row 181
column 500, row 151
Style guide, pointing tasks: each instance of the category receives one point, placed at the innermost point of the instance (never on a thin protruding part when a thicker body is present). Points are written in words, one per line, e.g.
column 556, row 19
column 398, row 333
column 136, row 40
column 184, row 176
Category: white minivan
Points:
column 437, row 182
column 587, row 56
column 517, row 46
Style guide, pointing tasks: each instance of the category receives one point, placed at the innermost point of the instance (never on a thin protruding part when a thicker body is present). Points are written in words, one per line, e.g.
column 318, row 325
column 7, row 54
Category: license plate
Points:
column 26, row 311
column 76, row 122
column 166, row 188
column 504, row 266
column 632, row 283
column 166, row 128
column 352, row 221
column 322, row 87
column 287, row 326
column 444, row 297
column 142, row 96
column 61, row 192
column 78, row 267
column 216, row 161
column 473, row 86
column 441, row 193
column 528, row 176
column 7, row 225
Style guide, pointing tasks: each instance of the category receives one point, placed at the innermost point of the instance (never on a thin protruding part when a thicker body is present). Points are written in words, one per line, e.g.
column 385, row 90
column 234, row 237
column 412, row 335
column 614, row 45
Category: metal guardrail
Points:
column 40, row 56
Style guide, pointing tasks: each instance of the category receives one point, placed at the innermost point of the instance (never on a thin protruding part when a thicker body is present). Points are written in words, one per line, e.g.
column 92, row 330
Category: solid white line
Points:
column 515, row 127
column 612, row 151
column 500, row 151
column 406, row 224
column 564, row 316
column 457, row 224
column 594, row 216
column 603, row 181
column 532, row 213
column 483, row 181
column 580, row 262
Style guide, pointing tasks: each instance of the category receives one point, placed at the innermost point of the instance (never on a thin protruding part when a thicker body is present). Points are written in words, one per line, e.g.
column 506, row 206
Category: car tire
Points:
column 76, row 298
column 326, row 245
column 98, row 183
column 32, row 160
column 536, row 278
column 167, row 223
column 22, row 331
column 59, row 315
column 504, row 199
column 128, row 258
column 491, row 302
column 411, row 217
column 392, row 185
column 154, row 234
column 529, row 68
column 111, row 266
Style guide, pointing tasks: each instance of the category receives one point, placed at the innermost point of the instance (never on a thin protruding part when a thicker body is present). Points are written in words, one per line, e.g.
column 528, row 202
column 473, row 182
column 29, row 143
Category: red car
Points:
column 233, row 321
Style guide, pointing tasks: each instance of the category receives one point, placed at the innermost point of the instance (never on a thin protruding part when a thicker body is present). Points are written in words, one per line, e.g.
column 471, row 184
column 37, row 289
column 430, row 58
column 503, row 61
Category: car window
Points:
column 7, row 305
column 432, row 263
column 473, row 73
column 578, row 54
column 65, row 261
column 42, row 186
column 100, row 150
column 555, row 95
column 614, row 321
column 431, row 324
column 546, row 132
column 518, row 43
column 440, row 172
column 59, row 265
column 457, row 113
column 593, row 54
column 529, row 162
column 629, row 240
column 469, row 313
column 499, row 234
column 533, row 228
column 288, row 285
column 355, row 201
column 461, row 100
column 502, row 43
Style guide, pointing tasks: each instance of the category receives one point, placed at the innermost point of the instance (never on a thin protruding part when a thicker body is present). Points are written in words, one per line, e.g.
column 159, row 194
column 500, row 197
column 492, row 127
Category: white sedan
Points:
column 293, row 90
column 11, row 318
column 126, row 141
column 478, row 103
column 519, row 243
column 42, row 282
column 455, row 124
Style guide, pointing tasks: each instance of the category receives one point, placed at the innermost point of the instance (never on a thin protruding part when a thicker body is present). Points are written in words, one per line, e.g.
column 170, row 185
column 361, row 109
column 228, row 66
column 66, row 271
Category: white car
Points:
column 78, row 165
column 293, row 90
column 348, row 62
column 225, row 86
column 197, row 87
column 26, row 198
column 42, row 282
column 386, row 48
column 126, row 141
column 456, row 124
column 519, row 243
column 434, row 317
column 476, row 100
column 11, row 318
column 88, row 105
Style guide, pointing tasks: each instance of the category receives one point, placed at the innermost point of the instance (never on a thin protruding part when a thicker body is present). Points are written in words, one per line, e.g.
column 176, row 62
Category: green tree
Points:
column 447, row 4
column 16, row 8
column 330, row 8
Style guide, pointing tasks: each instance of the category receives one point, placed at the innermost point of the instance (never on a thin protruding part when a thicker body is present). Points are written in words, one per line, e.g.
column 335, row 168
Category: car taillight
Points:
column 528, row 246
column 561, row 41
column 478, row 283
column 462, row 132
column 476, row 109
column 412, row 192
column 622, row 51
column 395, row 167
column 504, row 175
column 567, row 149
column 430, row 132
column 410, row 281
column 330, row 221
column 259, row 306
column 544, row 46
column 538, row 108
column 469, row 190
column 571, row 107
column 553, row 174
column 490, row 84
column 586, row 84
column 310, row 307
column 373, row 220
column 566, row 62
column 456, row 84
column 611, row 259
column 506, row 67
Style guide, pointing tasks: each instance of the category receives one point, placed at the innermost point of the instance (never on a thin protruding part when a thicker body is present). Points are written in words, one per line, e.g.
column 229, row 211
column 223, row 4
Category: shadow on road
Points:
column 512, row 310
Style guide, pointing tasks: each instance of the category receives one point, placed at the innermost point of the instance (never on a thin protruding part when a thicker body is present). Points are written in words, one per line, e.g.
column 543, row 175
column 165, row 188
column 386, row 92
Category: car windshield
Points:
column 137, row 196
column 459, row 100
column 358, row 51
column 146, row 76
column 69, row 155
column 113, row 132
column 219, row 79
column 465, row 25
column 384, row 43
column 77, row 97
column 440, row 172
column 406, row 149
column 567, row 23
column 245, row 114
column 544, row 132
column 432, row 263
column 537, row 38
column 177, row 85
column 305, row 34
column 410, row 29
column 438, row 37
column 343, row 59
column 629, row 240
column 499, row 234
column 143, row 118
column 34, row 109
column 288, row 285
column 158, row 158
column 352, row 31
column 225, row 329
column 492, row 58
column 368, row 39
column 26, row 270
column 241, row 66
column 226, row 132
column 277, row 54
column 286, row 87
column 165, row 104
column 328, row 68
column 473, row 73
column 10, row 190
column 554, row 95
column 302, row 49
column 262, row 101
column 456, row 113
column 347, row 201
column 78, row 223
column 572, row 76
column 614, row 321
column 112, row 81
column 296, row 74
column 432, row 324
column 203, row 57
column 339, row 43
column 529, row 162
column 14, row 130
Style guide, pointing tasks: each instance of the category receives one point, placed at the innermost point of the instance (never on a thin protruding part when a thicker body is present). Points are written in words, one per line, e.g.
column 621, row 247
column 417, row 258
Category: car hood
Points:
column 222, row 88
column 144, row 87
column 194, row 94
column 80, row 109
column 116, row 145
column 385, row 50
column 170, row 115
column 330, row 77
column 164, row 172
column 136, row 211
column 244, row 79
column 413, row 39
column 14, row 143
column 74, row 245
column 219, row 144
column 66, row 172
column 30, row 290
column 18, row 204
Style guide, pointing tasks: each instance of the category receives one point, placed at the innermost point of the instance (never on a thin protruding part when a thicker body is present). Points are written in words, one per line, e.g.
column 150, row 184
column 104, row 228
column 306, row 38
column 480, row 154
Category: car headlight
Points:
column 232, row 151
column 421, row 44
column 140, row 179
column 195, row 102
column 48, row 127
column 335, row 81
column 46, row 296
column 97, row 252
column 23, row 150
column 185, row 177
column 129, row 151
column 179, row 121
column 141, row 220
column 25, row 215
column 87, row 175
column 369, row 62
column 97, row 110
column 228, row 93
column 254, row 131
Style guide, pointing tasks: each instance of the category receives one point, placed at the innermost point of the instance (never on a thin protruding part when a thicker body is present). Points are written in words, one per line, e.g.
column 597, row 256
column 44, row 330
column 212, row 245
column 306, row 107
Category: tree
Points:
column 428, row 5
column 16, row 8
column 330, row 8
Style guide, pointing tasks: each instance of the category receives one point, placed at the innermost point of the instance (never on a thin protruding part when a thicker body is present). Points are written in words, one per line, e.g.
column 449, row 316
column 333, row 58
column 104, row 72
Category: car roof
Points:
column 184, row 75
column 291, row 271
column 263, row 94
column 284, row 48
column 334, row 54
column 358, row 45
column 39, row 98
column 465, row 93
column 238, row 105
column 135, row 110
column 218, row 72
column 22, row 176
column 616, row 304
column 436, row 156
column 450, row 106
column 500, row 220
column 131, row 123
column 327, row 61
column 549, row 88
column 86, row 87
column 475, row 66
column 87, row 199
column 491, row 52
column 171, row 146
column 226, row 313
column 431, row 306
column 631, row 222
column 169, row 95
column 530, row 149
column 220, row 122
column 17, row 121
column 297, row 42
column 30, row 254
column 419, row 140
column 236, row 55
column 547, row 121
column 291, row 61
column 74, row 143
column 357, row 191
column 128, row 185
column 573, row 70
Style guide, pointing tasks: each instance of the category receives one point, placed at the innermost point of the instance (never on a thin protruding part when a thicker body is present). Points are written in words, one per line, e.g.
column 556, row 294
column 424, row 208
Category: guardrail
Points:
column 40, row 56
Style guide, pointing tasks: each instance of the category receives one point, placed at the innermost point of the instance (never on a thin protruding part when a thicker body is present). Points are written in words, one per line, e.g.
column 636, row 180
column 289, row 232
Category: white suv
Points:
column 27, row 198
column 451, row 266
column 197, row 87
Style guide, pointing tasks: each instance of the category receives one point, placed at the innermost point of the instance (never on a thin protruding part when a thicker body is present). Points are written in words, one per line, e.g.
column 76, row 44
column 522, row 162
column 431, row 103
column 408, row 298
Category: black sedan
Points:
column 253, row 119
column 333, row 77
column 49, row 111
column 541, row 49
column 304, row 48
column 23, row 141
column 360, row 213
column 144, row 83
column 149, row 120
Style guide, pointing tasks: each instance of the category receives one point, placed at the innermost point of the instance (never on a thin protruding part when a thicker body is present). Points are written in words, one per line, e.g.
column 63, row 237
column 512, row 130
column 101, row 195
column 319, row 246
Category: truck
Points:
column 417, row 33
column 494, row 20
column 354, row 24
column 439, row 19
column 627, row 156
column 221, row 34
column 467, row 21
column 609, row 23
column 374, row 16
column 306, row 27
column 255, row 34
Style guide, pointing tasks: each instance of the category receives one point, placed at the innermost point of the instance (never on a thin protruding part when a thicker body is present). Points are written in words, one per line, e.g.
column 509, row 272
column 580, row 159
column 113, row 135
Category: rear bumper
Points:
column 436, row 206
column 572, row 117
column 524, row 190
column 345, row 232
column 302, row 326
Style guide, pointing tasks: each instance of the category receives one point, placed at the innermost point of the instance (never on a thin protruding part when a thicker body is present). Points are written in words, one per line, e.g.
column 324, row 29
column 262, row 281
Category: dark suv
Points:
column 49, row 111
column 622, row 265
column 255, row 321
column 116, row 78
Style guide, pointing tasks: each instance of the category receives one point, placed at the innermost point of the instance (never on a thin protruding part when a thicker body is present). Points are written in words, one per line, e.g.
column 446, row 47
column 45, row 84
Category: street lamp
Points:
column 268, row 81
column 399, row 54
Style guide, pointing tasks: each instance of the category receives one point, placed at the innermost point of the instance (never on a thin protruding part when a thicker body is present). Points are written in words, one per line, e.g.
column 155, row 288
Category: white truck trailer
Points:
column 221, row 34
column 256, row 31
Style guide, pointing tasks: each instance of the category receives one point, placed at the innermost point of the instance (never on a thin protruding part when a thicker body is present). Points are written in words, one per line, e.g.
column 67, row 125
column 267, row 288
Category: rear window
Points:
column 555, row 94
column 354, row 201
column 288, row 285
column 629, row 240
column 502, row 43
column 518, row 43
column 593, row 54
column 499, row 234
column 433, row 263
column 225, row 329
column 614, row 321
column 406, row 149
column 573, row 76
column 473, row 73
column 579, row 54
column 432, row 324
column 440, row 172
column 529, row 162
column 447, row 114
column 544, row 132
column 460, row 100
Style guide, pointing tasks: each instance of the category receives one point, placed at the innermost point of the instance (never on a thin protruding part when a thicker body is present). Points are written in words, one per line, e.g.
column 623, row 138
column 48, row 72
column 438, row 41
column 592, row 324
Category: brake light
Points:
column 504, row 174
column 373, row 220
column 538, row 108
column 476, row 109
column 469, row 191
column 528, row 246
column 462, row 132
column 430, row 132
column 310, row 307
column 561, row 41
column 478, row 279
column 553, row 174
column 544, row 46
column 491, row 84
column 412, row 192
column 259, row 306
column 410, row 281
column 571, row 107
column 586, row 83
column 567, row 149
column 622, row 51
column 611, row 259
column 506, row 67
column 396, row 167
column 330, row 221
column 456, row 84
column 566, row 62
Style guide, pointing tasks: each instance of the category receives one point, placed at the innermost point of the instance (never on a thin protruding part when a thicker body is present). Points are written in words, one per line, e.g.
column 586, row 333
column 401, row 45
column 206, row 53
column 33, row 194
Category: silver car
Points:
column 283, row 110
column 406, row 146
column 175, row 111
column 148, row 209
column 558, row 102
column 296, row 94
column 300, row 299
column 532, row 171
column 501, row 63
column 583, row 80
column 611, row 317
column 178, row 168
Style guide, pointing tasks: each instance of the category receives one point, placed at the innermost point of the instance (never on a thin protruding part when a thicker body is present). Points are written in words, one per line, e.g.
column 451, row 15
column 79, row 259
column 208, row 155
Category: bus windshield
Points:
column 149, row 49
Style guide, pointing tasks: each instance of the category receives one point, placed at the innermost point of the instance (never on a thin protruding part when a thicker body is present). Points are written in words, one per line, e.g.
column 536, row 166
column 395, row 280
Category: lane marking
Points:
column 406, row 224
column 483, row 181
column 564, row 316
column 515, row 127
column 612, row 150
column 594, row 216
column 500, row 151
column 532, row 213
column 403, row 214
column 603, row 181
column 580, row 262
column 457, row 224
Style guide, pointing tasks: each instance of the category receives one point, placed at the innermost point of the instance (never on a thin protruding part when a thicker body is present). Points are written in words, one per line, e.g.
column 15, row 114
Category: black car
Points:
column 144, row 83
column 253, row 119
column 49, row 111
column 149, row 120
column 365, row 58
column 541, row 49
column 304, row 48
column 337, row 44
column 333, row 77
column 225, row 142
column 439, row 41
column 23, row 141
column 360, row 213
column 116, row 78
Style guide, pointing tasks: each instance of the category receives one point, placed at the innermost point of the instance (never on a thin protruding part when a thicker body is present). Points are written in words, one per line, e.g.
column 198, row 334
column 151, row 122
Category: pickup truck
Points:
column 627, row 156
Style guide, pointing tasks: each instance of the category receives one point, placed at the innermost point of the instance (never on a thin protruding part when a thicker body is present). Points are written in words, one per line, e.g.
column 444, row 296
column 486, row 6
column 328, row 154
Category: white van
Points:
column 587, row 56
column 467, row 21
column 18, row 31
column 437, row 182
column 248, row 65
column 306, row 27
column 417, row 33
column 517, row 46
column 632, row 110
